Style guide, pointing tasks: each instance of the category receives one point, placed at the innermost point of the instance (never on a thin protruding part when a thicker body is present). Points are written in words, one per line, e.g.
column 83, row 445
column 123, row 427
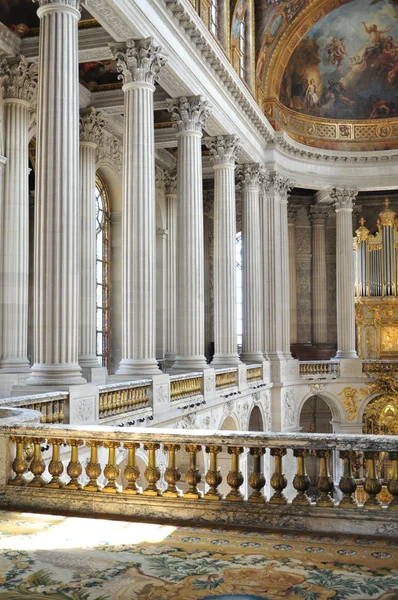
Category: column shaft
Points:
column 274, row 282
column 319, row 284
column 284, row 241
column 171, row 283
column 57, row 190
column 292, row 283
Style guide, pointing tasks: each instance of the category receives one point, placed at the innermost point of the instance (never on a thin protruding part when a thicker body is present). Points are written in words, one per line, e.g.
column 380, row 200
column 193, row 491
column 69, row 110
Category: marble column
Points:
column 91, row 125
column 19, row 81
column 224, row 151
column 250, row 177
column 171, row 267
column 292, row 212
column 190, row 115
column 318, row 214
column 56, row 278
column 344, row 201
column 277, row 188
column 264, row 263
column 139, row 64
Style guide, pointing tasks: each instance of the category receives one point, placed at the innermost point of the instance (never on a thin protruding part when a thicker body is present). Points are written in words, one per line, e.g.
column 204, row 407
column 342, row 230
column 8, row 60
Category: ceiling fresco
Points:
column 99, row 75
column 21, row 16
column 346, row 66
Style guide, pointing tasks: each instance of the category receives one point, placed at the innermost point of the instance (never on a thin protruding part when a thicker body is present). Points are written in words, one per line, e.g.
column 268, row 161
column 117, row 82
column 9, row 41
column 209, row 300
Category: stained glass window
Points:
column 239, row 290
column 102, row 223
column 242, row 49
column 214, row 17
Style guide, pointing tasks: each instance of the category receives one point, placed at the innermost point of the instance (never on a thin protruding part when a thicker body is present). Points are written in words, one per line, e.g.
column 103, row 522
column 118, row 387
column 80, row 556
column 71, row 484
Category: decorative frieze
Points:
column 139, row 61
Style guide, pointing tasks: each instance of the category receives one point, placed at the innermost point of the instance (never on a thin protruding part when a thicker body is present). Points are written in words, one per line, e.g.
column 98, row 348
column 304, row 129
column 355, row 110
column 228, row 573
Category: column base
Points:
column 225, row 360
column 345, row 354
column 89, row 361
column 98, row 375
column 189, row 364
column 252, row 357
column 14, row 365
column 169, row 359
column 144, row 367
column 58, row 374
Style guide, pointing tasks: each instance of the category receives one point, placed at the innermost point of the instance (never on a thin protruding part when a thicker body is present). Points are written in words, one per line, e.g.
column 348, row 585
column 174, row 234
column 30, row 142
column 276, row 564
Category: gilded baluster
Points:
column 172, row 474
column 61, row 415
column 193, row 476
column 347, row 482
column 19, row 464
column 42, row 409
column 49, row 412
column 101, row 402
column 393, row 481
column 235, row 477
column 111, row 470
column 55, row 412
column 74, row 468
column 278, row 479
column 372, row 485
column 55, row 468
column 93, row 468
column 325, row 482
column 301, row 481
column 213, row 475
column 131, row 471
column 37, row 466
column 28, row 450
column 256, row 478
column 152, row 473
column 119, row 406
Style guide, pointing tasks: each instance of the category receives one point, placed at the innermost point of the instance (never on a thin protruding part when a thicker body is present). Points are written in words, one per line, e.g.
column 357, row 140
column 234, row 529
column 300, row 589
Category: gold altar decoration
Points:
column 351, row 398
column 376, row 287
column 381, row 414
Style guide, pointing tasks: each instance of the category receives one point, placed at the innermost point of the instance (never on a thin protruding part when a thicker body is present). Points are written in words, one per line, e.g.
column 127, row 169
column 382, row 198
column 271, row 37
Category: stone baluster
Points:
column 18, row 82
column 344, row 202
column 292, row 212
column 171, row 267
column 250, row 177
column 56, row 277
column 91, row 125
column 224, row 151
column 190, row 115
column 139, row 63
column 319, row 214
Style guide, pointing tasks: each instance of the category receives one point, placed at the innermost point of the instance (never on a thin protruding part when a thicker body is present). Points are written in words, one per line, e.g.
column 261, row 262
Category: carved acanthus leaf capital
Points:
column 189, row 114
column 251, row 176
column 159, row 178
column 292, row 212
column 319, row 213
column 19, row 79
column 91, row 124
column 170, row 182
column 72, row 3
column 279, row 184
column 343, row 198
column 139, row 61
column 224, row 149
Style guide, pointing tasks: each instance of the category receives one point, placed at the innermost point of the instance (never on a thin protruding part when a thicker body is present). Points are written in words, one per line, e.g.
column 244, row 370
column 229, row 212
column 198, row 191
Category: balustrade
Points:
column 327, row 369
column 254, row 373
column 124, row 397
column 226, row 378
column 184, row 386
column 378, row 368
column 50, row 405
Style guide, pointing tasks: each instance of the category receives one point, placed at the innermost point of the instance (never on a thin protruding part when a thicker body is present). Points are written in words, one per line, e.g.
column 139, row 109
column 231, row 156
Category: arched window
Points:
column 239, row 313
column 242, row 48
column 102, row 222
column 214, row 17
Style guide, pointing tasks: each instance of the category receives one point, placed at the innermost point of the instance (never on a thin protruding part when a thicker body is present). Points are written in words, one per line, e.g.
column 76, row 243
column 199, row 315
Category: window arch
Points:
column 102, row 216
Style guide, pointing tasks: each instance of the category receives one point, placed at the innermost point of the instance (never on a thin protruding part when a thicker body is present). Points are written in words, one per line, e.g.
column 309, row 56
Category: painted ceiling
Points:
column 21, row 16
column 346, row 66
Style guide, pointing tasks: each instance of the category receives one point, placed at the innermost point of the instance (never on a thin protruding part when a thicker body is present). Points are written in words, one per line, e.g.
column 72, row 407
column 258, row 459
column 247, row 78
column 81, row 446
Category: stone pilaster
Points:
column 171, row 267
column 190, row 115
column 224, row 151
column 344, row 201
column 91, row 125
column 250, row 178
column 319, row 214
column 18, row 82
column 139, row 63
column 292, row 211
column 56, row 279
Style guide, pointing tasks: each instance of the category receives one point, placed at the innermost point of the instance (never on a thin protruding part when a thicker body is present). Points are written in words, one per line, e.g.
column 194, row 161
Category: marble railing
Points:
column 320, row 369
column 40, row 481
column 119, row 398
column 50, row 405
column 185, row 386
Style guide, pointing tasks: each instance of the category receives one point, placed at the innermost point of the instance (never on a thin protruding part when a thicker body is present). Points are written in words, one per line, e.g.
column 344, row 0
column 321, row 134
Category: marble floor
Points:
column 70, row 558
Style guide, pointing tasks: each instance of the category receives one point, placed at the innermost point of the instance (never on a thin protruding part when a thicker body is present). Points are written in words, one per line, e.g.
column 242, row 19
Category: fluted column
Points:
column 344, row 201
column 319, row 283
column 224, row 151
column 190, row 115
column 91, row 125
column 284, row 186
column 292, row 212
column 171, row 267
column 56, row 278
column 250, row 178
column 139, row 64
column 19, row 81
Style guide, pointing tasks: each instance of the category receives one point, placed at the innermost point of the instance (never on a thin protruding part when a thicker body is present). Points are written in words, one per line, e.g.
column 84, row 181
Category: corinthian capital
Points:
column 91, row 126
column 319, row 213
column 71, row 3
column 189, row 114
column 292, row 212
column 224, row 149
column 170, row 182
column 279, row 184
column 139, row 60
column 343, row 198
column 18, row 79
column 251, row 176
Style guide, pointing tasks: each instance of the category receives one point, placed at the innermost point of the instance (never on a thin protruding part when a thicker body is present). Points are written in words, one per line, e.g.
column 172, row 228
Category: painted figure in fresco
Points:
column 376, row 39
column 337, row 51
column 311, row 96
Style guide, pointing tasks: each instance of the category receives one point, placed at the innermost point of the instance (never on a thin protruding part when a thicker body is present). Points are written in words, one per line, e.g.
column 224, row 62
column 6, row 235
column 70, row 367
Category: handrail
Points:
column 328, row 369
column 49, row 404
column 119, row 398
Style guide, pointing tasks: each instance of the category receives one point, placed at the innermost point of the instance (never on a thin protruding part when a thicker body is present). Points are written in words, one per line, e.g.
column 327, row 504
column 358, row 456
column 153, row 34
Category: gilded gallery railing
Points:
column 254, row 373
column 115, row 399
column 50, row 405
column 40, row 480
column 226, row 378
column 321, row 369
column 377, row 368
column 184, row 386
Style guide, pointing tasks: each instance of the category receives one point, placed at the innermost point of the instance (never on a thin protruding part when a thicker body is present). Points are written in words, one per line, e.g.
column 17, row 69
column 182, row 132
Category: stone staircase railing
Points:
column 36, row 477
column 320, row 369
